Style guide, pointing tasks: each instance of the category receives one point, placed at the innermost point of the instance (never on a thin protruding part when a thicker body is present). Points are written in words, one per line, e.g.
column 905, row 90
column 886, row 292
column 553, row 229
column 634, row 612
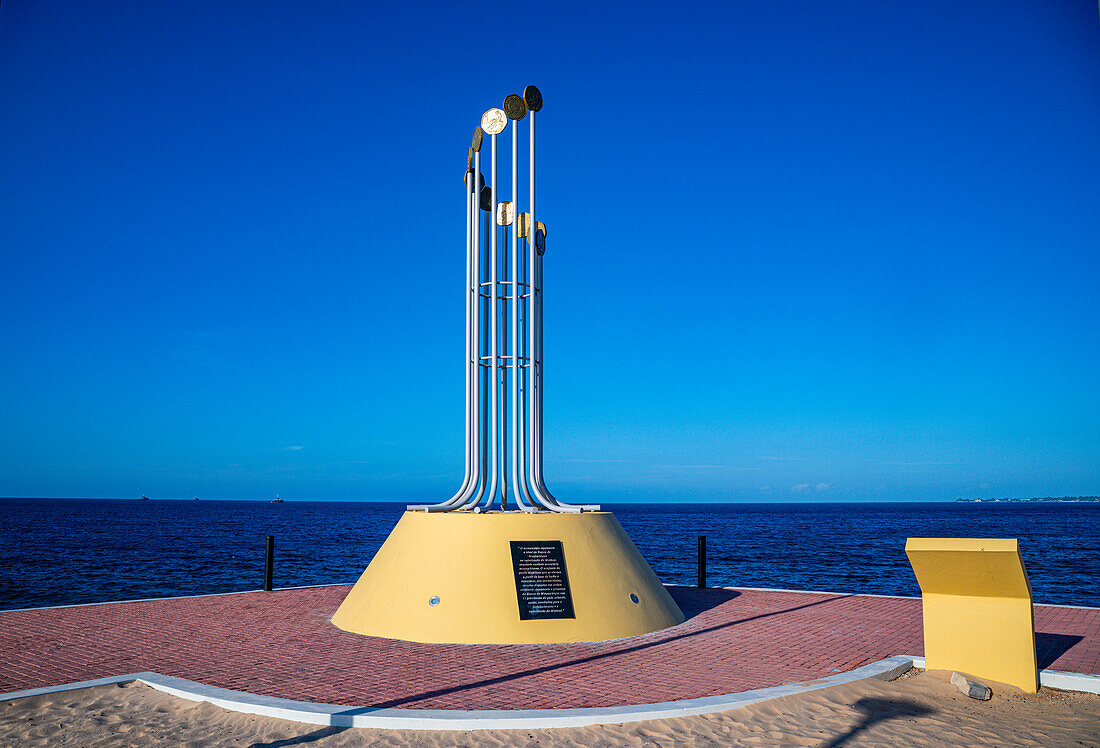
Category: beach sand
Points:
column 919, row 709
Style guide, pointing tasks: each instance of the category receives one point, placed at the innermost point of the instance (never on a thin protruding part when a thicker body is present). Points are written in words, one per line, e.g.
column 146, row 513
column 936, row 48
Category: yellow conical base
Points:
column 448, row 578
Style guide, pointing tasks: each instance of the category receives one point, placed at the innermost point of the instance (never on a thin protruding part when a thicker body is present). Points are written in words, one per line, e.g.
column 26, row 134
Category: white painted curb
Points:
column 1070, row 681
column 453, row 719
column 47, row 690
column 504, row 719
column 1061, row 679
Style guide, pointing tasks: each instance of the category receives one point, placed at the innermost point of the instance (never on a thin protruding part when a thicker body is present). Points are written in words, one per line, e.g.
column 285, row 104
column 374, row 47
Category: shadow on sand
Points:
column 878, row 710
column 311, row 737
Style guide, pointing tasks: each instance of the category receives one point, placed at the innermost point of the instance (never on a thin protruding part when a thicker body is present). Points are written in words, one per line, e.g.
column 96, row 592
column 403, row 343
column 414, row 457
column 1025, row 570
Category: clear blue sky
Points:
column 798, row 251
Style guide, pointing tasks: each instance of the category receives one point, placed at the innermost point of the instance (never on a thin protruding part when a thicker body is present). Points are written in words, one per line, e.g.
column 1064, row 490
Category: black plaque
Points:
column 542, row 584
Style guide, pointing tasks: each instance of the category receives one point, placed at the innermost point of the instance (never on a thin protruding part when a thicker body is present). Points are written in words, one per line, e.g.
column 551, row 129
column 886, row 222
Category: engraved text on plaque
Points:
column 542, row 585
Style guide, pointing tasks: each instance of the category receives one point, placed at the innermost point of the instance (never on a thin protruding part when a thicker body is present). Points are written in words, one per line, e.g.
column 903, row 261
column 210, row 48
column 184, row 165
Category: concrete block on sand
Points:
column 971, row 688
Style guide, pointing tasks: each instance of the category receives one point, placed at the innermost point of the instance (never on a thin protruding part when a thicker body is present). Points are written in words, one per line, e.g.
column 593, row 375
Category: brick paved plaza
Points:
column 282, row 644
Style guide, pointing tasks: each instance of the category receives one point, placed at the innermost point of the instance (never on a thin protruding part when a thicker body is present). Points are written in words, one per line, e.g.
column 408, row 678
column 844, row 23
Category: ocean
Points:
column 65, row 551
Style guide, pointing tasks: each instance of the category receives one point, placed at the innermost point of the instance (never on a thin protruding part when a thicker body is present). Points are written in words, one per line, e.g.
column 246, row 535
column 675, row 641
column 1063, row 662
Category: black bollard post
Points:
column 269, row 563
column 702, row 583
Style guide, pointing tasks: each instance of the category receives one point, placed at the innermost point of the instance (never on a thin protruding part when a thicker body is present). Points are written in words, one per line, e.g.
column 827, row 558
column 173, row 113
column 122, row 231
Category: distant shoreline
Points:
column 1044, row 500
column 608, row 503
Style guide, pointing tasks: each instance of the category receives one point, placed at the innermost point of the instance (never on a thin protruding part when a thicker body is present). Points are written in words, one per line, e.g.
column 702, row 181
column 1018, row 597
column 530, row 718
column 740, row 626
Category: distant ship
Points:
column 195, row 499
column 276, row 500
column 143, row 498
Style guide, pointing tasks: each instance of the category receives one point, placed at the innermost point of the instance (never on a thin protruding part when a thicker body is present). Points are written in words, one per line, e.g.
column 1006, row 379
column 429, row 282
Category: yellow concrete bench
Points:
column 977, row 608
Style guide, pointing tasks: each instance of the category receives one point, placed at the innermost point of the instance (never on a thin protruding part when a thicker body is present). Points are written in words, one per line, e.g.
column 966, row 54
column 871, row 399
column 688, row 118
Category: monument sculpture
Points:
column 503, row 560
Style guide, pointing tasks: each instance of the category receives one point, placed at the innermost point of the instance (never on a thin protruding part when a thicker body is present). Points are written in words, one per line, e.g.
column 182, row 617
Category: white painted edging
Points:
column 1053, row 679
column 47, row 690
column 451, row 719
column 1070, row 681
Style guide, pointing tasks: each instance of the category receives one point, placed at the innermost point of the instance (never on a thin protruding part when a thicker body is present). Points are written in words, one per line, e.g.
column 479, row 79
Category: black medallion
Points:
column 532, row 96
column 514, row 107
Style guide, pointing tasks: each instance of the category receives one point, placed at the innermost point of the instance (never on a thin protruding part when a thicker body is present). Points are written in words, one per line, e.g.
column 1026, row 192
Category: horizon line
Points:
column 1051, row 499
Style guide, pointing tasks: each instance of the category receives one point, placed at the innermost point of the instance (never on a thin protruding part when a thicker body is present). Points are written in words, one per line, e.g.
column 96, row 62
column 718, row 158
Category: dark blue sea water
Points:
column 59, row 551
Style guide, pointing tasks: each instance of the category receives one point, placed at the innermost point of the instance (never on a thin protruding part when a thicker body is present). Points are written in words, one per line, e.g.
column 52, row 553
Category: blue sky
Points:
column 797, row 251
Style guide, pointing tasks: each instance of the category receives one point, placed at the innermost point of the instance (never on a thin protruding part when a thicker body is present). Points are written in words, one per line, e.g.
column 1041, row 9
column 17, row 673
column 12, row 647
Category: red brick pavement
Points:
column 282, row 644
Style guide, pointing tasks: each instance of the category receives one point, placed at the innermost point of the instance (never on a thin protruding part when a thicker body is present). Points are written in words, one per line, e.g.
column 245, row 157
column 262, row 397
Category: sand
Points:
column 919, row 709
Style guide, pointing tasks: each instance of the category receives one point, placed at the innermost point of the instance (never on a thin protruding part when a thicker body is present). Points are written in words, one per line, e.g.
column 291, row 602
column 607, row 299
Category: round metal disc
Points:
column 532, row 96
column 514, row 107
column 540, row 238
column 486, row 197
column 479, row 135
column 524, row 223
column 505, row 213
column 469, row 159
column 494, row 121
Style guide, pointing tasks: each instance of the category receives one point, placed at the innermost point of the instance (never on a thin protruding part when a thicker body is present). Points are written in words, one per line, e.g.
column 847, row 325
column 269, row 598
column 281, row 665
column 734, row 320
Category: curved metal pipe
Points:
column 536, row 457
column 519, row 484
column 542, row 493
column 534, row 426
column 524, row 398
column 479, row 387
column 470, row 417
column 503, row 447
column 471, row 472
column 495, row 396
column 534, row 371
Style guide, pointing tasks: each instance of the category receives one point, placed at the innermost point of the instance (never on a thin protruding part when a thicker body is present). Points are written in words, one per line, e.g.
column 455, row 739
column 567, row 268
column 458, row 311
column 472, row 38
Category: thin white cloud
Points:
column 703, row 467
column 800, row 487
column 822, row 486
column 784, row 459
column 569, row 459
column 295, row 448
